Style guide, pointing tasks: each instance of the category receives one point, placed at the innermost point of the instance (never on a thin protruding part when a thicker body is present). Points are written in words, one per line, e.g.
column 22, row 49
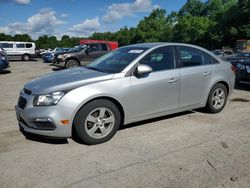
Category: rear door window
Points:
column 190, row 57
column 20, row 45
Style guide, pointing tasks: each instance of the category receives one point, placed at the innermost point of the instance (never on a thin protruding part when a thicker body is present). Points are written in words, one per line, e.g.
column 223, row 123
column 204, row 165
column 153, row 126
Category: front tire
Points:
column 97, row 121
column 72, row 63
column 217, row 98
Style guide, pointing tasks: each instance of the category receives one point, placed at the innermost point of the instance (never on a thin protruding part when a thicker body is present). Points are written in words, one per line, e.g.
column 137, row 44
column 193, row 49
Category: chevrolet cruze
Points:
column 130, row 84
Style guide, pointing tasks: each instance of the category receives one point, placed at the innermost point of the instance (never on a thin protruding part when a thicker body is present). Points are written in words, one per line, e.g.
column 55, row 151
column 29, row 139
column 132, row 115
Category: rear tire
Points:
column 217, row 98
column 72, row 63
column 25, row 57
column 97, row 121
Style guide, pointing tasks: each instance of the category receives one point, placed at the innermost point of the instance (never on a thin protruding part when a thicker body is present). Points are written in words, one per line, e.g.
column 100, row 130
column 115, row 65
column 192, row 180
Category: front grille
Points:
column 22, row 102
column 28, row 92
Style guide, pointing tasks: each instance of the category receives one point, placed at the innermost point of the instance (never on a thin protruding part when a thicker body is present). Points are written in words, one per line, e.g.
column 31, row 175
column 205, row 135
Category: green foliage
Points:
column 211, row 24
column 192, row 29
column 154, row 28
column 17, row 37
column 193, row 8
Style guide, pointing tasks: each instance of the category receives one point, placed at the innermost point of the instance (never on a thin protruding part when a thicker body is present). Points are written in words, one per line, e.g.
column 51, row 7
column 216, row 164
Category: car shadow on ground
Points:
column 141, row 123
column 56, row 69
column 48, row 140
column 5, row 72
column 31, row 60
column 42, row 139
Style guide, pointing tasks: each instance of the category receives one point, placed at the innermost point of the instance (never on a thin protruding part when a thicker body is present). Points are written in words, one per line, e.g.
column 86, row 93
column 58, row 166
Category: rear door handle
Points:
column 206, row 73
column 172, row 80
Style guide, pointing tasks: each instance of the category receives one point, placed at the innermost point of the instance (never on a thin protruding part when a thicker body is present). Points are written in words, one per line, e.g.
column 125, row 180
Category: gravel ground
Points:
column 191, row 149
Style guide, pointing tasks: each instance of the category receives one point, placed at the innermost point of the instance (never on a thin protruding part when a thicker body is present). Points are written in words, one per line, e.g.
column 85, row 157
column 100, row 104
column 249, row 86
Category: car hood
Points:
column 66, row 80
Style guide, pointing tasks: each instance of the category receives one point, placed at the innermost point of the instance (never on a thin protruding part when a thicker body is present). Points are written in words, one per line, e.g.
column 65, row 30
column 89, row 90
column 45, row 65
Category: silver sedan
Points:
column 130, row 84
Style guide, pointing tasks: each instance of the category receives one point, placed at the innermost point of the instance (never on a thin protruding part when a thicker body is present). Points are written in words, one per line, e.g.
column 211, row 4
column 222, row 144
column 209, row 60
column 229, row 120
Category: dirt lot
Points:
column 191, row 149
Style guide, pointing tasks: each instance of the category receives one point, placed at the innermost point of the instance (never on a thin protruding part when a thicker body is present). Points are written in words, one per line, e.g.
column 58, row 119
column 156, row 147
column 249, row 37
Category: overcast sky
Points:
column 75, row 17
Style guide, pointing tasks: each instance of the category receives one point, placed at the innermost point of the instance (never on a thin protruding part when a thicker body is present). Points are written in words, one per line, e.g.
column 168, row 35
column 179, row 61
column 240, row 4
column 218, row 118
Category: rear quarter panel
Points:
column 223, row 73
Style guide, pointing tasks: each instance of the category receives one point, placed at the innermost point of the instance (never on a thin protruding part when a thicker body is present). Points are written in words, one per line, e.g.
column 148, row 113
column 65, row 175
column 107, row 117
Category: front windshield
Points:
column 116, row 61
column 77, row 48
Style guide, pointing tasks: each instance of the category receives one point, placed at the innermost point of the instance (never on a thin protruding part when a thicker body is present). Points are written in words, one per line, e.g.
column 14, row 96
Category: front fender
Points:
column 78, row 97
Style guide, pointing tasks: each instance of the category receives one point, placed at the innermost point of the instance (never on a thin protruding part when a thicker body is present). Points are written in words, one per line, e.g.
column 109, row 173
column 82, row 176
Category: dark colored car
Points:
column 81, row 55
column 239, row 58
column 242, row 74
column 4, row 63
column 49, row 56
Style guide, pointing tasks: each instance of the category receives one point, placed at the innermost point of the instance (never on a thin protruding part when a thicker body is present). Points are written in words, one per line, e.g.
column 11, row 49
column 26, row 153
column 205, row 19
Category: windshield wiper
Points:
column 95, row 68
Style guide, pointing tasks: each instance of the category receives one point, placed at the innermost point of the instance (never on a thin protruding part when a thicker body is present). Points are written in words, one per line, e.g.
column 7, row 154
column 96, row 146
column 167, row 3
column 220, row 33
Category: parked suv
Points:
column 19, row 50
column 81, row 55
column 130, row 84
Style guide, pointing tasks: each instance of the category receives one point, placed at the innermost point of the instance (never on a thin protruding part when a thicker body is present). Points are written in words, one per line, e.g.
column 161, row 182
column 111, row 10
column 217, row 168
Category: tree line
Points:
column 211, row 24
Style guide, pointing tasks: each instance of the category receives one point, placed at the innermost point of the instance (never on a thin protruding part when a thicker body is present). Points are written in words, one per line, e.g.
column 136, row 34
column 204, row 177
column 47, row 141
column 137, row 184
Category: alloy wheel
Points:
column 218, row 98
column 99, row 122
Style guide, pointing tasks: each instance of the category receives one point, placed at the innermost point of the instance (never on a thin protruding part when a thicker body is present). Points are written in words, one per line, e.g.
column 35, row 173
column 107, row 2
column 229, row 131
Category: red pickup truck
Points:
column 112, row 44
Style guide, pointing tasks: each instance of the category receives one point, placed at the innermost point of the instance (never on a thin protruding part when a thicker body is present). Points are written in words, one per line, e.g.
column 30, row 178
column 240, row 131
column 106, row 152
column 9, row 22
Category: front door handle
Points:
column 172, row 80
column 207, row 73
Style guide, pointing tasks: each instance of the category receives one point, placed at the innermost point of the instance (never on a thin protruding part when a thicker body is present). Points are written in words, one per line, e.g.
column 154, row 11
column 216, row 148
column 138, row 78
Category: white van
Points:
column 19, row 50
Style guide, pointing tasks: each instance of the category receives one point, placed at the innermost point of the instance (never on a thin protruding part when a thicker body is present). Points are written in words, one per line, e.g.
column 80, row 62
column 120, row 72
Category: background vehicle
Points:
column 130, row 84
column 19, row 50
column 81, row 55
column 242, row 45
column 243, row 72
column 224, row 54
column 239, row 58
column 41, row 52
column 111, row 44
column 4, row 63
column 49, row 56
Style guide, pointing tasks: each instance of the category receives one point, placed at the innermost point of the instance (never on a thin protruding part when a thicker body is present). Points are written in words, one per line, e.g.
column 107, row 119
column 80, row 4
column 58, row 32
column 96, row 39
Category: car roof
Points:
column 156, row 44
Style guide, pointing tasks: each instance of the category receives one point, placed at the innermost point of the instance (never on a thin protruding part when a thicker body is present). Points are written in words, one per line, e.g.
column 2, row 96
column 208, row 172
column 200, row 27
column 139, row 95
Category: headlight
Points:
column 62, row 56
column 48, row 99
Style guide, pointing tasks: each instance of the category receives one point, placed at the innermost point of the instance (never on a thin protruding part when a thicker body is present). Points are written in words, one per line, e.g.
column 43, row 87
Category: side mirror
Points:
column 143, row 70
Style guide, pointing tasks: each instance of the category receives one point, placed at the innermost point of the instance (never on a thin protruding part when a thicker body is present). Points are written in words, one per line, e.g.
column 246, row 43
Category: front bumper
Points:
column 29, row 119
column 59, row 62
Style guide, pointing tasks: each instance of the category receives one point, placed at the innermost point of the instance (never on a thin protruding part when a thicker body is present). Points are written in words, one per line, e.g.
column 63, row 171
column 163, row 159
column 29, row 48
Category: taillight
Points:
column 233, row 68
